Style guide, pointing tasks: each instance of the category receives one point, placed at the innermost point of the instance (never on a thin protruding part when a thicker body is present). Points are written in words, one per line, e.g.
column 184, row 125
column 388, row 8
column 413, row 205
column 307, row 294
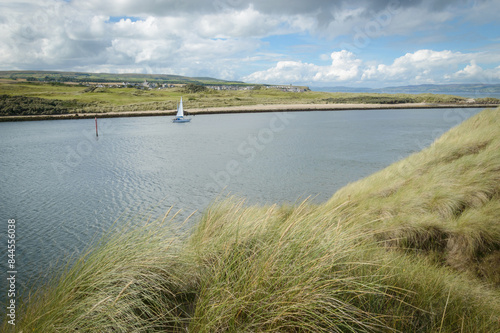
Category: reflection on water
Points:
column 65, row 186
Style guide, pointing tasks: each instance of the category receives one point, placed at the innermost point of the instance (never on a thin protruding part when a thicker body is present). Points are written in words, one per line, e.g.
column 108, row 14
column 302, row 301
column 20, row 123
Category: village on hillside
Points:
column 153, row 85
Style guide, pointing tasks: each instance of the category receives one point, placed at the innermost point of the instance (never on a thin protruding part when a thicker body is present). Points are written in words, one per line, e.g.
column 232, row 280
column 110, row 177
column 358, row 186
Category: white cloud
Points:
column 236, row 24
column 225, row 38
column 344, row 67
column 51, row 34
column 422, row 66
column 471, row 70
column 474, row 72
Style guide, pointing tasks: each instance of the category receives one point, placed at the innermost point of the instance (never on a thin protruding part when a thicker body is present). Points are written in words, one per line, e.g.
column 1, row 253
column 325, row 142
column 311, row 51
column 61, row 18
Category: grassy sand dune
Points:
column 443, row 201
column 412, row 248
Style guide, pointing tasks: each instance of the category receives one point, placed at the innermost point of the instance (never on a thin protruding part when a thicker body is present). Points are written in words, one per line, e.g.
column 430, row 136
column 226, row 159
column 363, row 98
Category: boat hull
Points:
column 182, row 120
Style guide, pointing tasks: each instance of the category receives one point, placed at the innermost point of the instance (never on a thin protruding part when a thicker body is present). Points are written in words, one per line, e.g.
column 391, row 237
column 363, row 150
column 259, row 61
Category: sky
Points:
column 319, row 43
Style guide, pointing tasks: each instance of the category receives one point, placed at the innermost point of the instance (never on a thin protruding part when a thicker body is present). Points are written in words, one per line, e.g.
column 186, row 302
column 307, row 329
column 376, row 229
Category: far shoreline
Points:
column 260, row 108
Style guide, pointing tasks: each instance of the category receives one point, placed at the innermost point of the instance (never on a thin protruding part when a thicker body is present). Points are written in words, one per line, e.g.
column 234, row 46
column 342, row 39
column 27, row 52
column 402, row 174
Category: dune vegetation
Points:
column 412, row 248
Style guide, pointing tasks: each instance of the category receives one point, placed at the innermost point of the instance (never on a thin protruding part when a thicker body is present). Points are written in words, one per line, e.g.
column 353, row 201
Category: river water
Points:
column 64, row 186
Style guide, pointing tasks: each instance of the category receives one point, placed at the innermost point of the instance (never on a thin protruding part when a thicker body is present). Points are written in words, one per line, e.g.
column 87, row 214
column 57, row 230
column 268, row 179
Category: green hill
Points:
column 412, row 248
column 56, row 76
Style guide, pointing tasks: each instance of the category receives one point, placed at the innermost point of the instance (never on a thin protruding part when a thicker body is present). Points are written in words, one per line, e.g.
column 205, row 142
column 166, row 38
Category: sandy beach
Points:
column 248, row 109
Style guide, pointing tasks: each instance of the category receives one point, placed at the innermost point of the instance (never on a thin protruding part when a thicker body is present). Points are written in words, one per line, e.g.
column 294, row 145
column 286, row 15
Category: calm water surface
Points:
column 65, row 186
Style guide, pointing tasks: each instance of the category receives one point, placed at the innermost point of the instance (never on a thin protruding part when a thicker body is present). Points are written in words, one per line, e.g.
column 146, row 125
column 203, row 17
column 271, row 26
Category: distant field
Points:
column 82, row 99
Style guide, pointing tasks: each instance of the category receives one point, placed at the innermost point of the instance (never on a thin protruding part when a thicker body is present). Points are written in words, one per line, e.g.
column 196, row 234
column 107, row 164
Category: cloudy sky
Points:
column 369, row 43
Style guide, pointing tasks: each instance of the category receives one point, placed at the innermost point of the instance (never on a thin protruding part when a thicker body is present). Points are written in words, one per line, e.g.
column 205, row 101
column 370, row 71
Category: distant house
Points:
column 229, row 87
column 288, row 88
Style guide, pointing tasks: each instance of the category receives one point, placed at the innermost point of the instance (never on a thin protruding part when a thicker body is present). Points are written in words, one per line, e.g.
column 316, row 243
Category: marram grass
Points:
column 131, row 281
column 269, row 269
column 412, row 248
column 443, row 201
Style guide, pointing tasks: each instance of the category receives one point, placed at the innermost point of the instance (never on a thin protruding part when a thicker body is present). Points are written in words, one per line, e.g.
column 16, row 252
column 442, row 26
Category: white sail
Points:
column 179, row 118
column 180, row 110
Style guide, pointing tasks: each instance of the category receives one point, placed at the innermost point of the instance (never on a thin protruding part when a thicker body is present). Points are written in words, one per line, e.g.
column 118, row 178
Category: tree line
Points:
column 23, row 105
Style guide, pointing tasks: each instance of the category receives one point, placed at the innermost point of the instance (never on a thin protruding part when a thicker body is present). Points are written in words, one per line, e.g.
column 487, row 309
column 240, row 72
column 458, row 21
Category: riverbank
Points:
column 247, row 109
column 413, row 247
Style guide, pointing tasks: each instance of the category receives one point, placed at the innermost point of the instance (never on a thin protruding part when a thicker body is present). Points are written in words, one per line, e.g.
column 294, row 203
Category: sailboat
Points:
column 179, row 117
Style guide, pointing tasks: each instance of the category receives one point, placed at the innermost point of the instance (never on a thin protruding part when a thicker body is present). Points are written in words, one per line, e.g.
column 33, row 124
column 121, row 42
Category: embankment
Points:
column 246, row 109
